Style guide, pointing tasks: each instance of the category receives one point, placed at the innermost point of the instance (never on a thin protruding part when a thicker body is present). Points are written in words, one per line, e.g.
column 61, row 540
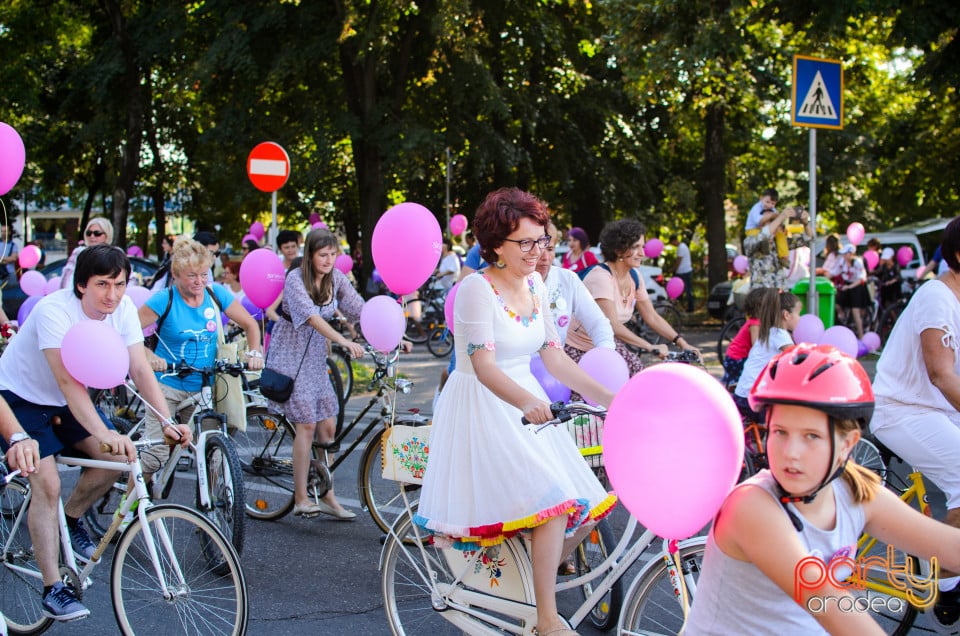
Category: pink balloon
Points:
column 667, row 416
column 138, row 295
column 382, row 323
column 33, row 283
column 249, row 237
column 314, row 218
column 26, row 308
column 458, row 223
column 653, row 248
column 675, row 287
column 344, row 263
column 319, row 225
column 809, row 329
column 921, row 271
column 95, row 340
column 842, row 338
column 150, row 329
column 904, row 255
column 855, row 233
column 261, row 277
column 871, row 258
column 607, row 367
column 257, row 230
column 13, row 156
column 406, row 246
column 872, row 340
column 448, row 305
column 51, row 285
column 29, row 256
column 556, row 392
column 134, row 250
column 740, row 264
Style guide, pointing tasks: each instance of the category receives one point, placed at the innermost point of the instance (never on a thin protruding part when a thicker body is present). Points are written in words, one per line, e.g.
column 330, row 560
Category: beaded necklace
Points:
column 523, row 320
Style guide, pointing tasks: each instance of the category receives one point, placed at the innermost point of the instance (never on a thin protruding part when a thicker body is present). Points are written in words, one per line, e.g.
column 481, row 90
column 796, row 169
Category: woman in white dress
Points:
column 489, row 476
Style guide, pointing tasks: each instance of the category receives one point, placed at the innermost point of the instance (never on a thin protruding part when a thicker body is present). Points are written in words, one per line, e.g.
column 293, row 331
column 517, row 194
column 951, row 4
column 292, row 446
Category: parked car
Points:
column 13, row 296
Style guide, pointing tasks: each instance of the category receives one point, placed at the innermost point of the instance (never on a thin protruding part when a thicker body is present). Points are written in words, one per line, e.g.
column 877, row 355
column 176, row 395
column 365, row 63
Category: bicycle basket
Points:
column 587, row 432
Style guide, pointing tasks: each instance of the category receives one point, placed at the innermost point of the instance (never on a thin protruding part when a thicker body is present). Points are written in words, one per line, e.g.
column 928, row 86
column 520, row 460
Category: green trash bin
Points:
column 826, row 298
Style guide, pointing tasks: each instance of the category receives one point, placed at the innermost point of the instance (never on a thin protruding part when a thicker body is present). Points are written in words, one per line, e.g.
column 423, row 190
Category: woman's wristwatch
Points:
column 16, row 438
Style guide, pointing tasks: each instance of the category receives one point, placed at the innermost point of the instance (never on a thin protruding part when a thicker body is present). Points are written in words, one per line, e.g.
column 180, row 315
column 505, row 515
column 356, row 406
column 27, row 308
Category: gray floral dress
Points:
column 313, row 398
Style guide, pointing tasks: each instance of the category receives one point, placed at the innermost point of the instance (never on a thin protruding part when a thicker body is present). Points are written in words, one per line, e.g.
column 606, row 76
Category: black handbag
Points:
column 276, row 386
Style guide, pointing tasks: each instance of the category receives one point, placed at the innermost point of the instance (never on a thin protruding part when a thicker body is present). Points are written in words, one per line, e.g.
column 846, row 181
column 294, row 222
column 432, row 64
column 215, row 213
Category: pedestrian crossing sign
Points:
column 817, row 93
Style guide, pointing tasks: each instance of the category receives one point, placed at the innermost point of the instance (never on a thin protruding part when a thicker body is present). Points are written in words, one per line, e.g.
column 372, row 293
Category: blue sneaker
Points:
column 82, row 545
column 61, row 604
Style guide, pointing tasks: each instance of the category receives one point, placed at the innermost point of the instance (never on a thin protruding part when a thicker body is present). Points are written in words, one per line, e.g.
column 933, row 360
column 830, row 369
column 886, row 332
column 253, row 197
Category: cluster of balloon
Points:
column 673, row 420
column 261, row 277
column 810, row 329
column 653, row 248
column 95, row 340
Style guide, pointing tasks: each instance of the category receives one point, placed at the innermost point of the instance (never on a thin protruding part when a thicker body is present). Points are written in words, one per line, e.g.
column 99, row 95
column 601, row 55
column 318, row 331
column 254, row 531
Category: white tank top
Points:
column 735, row 597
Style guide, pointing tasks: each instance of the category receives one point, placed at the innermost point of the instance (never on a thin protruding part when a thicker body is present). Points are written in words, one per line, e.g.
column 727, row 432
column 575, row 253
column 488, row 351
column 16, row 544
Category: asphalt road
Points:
column 320, row 576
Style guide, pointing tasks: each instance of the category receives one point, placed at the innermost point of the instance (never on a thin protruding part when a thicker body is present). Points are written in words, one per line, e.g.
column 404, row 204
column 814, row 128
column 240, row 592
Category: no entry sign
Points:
column 268, row 166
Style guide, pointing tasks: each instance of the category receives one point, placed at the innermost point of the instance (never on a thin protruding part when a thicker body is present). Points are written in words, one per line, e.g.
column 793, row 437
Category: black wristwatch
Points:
column 675, row 338
column 16, row 438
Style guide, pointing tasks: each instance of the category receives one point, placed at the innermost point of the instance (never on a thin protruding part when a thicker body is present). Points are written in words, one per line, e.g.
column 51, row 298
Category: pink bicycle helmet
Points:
column 819, row 377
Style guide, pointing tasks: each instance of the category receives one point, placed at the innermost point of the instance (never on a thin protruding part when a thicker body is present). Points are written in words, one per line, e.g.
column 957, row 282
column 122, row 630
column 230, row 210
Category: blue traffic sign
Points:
column 817, row 93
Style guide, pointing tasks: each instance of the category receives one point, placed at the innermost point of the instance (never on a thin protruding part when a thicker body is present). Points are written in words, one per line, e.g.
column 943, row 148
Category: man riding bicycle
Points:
column 56, row 410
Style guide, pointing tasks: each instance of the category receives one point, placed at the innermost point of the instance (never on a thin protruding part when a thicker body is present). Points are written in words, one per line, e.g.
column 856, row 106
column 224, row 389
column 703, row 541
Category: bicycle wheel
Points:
column 727, row 334
column 381, row 497
column 408, row 601
column 894, row 614
column 341, row 360
column 123, row 410
column 888, row 319
column 591, row 552
column 224, row 490
column 440, row 342
column 334, row 375
column 868, row 455
column 415, row 331
column 652, row 606
column 19, row 592
column 265, row 450
column 196, row 598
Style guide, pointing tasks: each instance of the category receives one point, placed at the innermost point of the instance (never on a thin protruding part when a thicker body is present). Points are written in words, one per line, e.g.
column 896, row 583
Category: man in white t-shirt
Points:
column 56, row 410
column 449, row 269
column 683, row 269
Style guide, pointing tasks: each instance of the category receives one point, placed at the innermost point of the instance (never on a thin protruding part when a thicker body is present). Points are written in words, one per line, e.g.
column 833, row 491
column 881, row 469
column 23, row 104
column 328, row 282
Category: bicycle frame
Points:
column 66, row 551
column 472, row 606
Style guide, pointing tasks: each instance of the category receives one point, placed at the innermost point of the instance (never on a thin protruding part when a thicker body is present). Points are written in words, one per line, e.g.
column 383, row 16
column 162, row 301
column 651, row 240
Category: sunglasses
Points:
column 96, row 233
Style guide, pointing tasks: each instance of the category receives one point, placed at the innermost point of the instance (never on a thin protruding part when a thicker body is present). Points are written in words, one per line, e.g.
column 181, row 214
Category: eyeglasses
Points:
column 96, row 233
column 194, row 277
column 527, row 244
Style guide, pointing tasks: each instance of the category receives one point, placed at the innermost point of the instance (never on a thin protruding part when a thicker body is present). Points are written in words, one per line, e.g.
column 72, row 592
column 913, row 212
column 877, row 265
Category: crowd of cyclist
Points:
column 815, row 401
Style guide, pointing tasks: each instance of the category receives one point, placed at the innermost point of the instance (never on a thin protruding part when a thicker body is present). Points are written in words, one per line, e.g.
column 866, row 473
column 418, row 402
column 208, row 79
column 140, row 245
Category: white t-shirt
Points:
column 23, row 367
column 450, row 263
column 753, row 217
column 901, row 373
column 568, row 296
column 683, row 253
column 760, row 354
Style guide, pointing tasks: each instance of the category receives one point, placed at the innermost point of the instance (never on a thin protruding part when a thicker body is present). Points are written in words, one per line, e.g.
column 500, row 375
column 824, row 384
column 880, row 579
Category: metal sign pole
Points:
column 273, row 222
column 812, row 295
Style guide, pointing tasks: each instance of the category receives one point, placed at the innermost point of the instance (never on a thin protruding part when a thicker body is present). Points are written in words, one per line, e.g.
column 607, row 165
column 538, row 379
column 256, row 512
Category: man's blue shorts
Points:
column 36, row 420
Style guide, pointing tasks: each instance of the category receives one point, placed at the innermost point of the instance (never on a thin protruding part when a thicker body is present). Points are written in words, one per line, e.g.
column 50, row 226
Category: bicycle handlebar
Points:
column 566, row 411
column 182, row 369
column 684, row 355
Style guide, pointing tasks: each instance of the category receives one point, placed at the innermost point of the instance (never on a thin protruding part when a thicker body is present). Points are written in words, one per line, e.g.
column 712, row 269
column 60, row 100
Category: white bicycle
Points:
column 429, row 589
